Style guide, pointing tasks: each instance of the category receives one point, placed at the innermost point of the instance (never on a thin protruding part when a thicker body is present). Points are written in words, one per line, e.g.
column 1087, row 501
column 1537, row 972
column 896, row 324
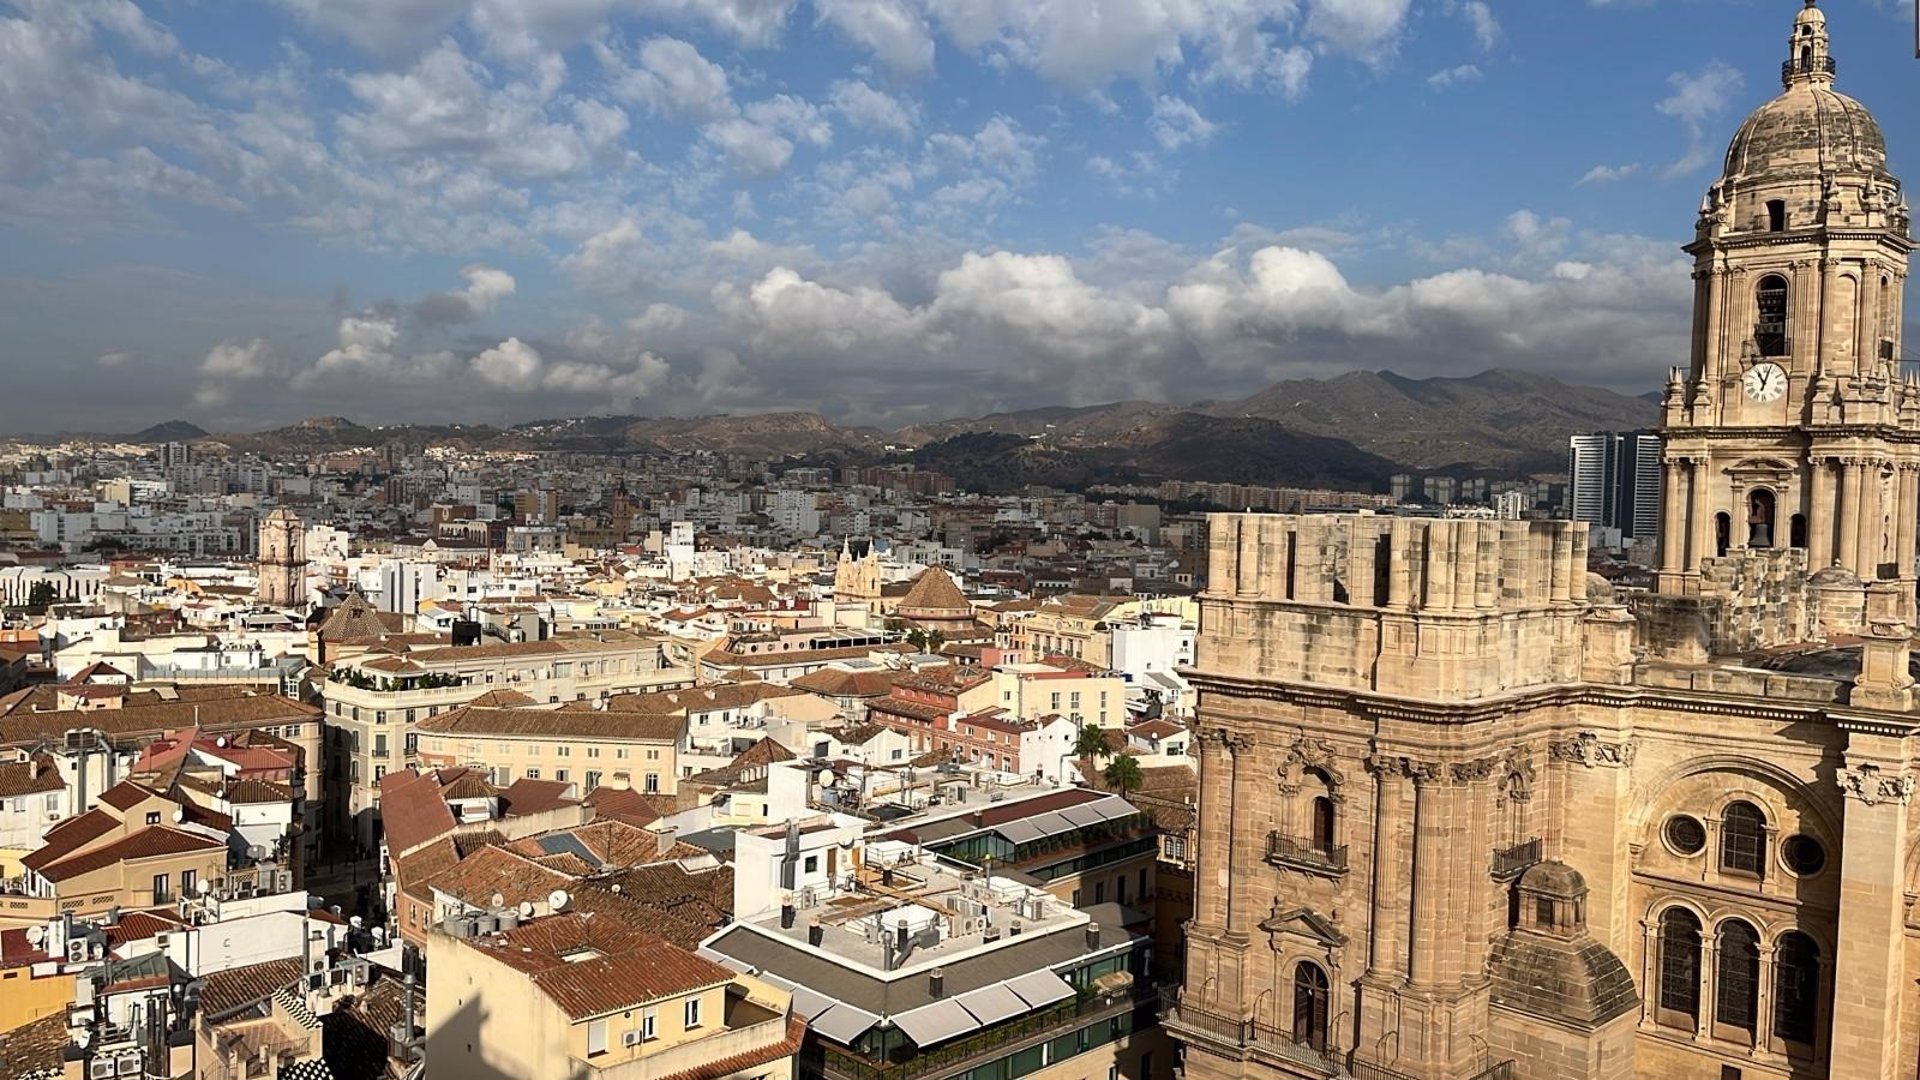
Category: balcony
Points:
column 1808, row 66
column 1511, row 862
column 1288, row 853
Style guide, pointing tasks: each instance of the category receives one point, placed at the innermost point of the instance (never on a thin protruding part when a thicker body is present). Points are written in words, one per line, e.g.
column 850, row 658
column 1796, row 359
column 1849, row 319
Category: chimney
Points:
column 1093, row 937
column 900, row 942
column 786, row 914
column 937, row 983
column 815, row 932
column 664, row 839
column 1013, row 929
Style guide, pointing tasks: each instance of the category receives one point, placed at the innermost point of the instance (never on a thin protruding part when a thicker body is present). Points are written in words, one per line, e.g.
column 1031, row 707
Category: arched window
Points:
column 1323, row 823
column 1796, row 988
column 1737, row 982
column 1797, row 531
column 1770, row 309
column 1679, row 966
column 1743, row 839
column 1722, row 533
column 1310, row 1000
column 1760, row 518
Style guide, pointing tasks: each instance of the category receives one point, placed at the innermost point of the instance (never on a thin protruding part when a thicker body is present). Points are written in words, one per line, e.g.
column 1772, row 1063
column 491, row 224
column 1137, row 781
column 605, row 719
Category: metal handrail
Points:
column 1286, row 849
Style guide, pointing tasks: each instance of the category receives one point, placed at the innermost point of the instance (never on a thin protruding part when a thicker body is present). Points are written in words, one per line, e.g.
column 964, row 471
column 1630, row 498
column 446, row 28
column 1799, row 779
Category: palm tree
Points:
column 1091, row 742
column 926, row 641
column 1123, row 773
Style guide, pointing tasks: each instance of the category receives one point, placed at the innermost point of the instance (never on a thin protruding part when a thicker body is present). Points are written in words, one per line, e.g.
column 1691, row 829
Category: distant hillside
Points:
column 1352, row 431
column 169, row 431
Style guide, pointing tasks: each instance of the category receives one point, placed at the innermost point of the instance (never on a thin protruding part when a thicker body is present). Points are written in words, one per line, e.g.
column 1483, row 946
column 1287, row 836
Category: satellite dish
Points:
column 356, row 922
column 36, row 935
column 827, row 778
column 557, row 900
column 616, row 887
column 204, row 886
column 497, row 901
column 179, row 813
column 526, row 908
column 221, row 742
column 83, row 1036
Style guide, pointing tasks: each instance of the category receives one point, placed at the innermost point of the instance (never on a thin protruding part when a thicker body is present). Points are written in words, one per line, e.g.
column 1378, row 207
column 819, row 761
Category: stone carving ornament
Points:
column 1870, row 786
column 1308, row 753
column 1587, row 749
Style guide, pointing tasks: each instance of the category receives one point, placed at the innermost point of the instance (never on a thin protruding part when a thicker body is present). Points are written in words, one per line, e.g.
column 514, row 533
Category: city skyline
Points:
column 888, row 212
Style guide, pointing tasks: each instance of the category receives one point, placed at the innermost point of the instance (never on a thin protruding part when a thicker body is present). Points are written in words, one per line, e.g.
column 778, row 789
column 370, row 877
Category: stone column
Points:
column 1236, row 747
column 1866, row 1001
column 1700, row 491
column 1820, row 516
column 1673, row 503
column 1867, row 523
column 1907, row 475
column 1213, row 859
column 1430, row 859
column 1852, row 470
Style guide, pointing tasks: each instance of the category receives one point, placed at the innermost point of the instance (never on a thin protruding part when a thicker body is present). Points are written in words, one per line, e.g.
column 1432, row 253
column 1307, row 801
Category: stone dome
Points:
column 1553, row 878
column 1810, row 128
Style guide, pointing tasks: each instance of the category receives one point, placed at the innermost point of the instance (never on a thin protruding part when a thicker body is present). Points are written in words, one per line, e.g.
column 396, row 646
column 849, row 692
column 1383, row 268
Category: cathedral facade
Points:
column 1466, row 814
column 282, row 561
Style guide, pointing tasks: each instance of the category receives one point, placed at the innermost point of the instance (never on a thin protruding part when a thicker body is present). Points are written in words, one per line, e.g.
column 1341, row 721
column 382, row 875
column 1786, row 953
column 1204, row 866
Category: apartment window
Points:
column 647, row 1030
column 693, row 1013
column 379, row 773
column 161, row 891
column 1099, row 892
column 153, row 817
column 187, row 880
column 813, row 864
column 593, row 751
column 652, row 784
column 596, row 1038
column 560, row 775
column 533, row 774
column 380, row 717
column 1055, row 706
column 380, row 744
column 1120, row 888
column 620, row 752
column 563, row 751
column 1076, row 898
column 653, row 755
column 593, row 779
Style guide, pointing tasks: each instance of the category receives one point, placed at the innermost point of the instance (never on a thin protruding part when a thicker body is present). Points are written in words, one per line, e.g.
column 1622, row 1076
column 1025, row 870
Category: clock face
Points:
column 1765, row 382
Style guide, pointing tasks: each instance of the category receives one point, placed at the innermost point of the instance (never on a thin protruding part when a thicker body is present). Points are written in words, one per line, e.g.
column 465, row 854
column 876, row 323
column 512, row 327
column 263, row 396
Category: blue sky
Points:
column 244, row 213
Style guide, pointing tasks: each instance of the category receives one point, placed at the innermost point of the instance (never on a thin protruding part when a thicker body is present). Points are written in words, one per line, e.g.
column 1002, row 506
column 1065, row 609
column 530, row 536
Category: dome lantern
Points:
column 1809, row 56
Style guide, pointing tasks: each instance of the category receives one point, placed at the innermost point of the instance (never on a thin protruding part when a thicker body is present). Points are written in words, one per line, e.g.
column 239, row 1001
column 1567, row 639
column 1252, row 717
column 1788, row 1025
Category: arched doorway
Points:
column 1722, row 533
column 1797, row 530
column 1311, row 996
column 1760, row 508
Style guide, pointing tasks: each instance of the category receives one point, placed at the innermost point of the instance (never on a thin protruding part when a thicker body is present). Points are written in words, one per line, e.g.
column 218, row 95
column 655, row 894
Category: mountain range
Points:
column 1353, row 430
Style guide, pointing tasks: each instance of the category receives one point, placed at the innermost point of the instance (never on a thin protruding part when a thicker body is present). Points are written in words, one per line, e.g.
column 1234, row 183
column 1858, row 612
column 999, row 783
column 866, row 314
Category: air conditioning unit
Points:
column 55, row 815
column 160, row 941
column 630, row 1039
column 77, row 951
column 129, row 1065
column 100, row 1069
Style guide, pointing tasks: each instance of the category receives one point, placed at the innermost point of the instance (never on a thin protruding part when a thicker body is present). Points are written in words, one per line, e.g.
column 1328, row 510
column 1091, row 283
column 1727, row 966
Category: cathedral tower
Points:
column 283, row 560
column 1792, row 429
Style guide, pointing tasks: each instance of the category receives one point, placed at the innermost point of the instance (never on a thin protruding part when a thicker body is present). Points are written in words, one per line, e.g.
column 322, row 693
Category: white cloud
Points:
column 1453, row 76
column 1698, row 98
column 1608, row 174
column 1176, row 123
column 673, row 79
column 486, row 287
column 232, row 363
column 1486, row 27
column 115, row 359
column 517, row 367
column 872, row 110
column 389, row 28
column 894, row 31
column 1368, row 29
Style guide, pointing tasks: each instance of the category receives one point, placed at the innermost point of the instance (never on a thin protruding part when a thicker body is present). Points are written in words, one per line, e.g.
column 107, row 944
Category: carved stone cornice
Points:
column 1868, row 784
column 1588, row 749
column 1415, row 769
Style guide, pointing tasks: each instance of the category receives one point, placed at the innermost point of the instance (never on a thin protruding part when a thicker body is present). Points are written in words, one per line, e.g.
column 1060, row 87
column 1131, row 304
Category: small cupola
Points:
column 1552, row 901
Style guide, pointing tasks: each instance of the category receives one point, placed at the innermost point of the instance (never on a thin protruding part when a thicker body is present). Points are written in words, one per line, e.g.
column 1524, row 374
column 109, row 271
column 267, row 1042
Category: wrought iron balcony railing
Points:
column 1301, row 855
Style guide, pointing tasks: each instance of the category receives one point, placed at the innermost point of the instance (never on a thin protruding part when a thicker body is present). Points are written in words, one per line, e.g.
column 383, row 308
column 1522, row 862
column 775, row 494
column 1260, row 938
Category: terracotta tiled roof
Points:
column 141, row 926
column 502, row 699
column 839, row 682
column 724, row 658
column 225, row 991
column 247, row 791
column 125, row 795
column 632, row 968
column 468, row 785
column 765, row 752
column 517, row 879
column 149, row 842
column 628, row 805
column 536, row 723
column 35, row 1050
column 535, row 796
column 412, row 811
column 354, row 622
column 934, row 592
column 70, row 836
column 147, row 715
column 35, row 776
column 719, row 696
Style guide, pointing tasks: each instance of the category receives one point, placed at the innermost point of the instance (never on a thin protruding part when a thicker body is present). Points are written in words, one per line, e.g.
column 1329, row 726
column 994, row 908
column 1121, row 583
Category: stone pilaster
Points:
column 1866, row 1002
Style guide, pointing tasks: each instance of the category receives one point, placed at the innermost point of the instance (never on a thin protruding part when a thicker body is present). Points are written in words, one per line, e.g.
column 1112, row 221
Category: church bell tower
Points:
column 1792, row 428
